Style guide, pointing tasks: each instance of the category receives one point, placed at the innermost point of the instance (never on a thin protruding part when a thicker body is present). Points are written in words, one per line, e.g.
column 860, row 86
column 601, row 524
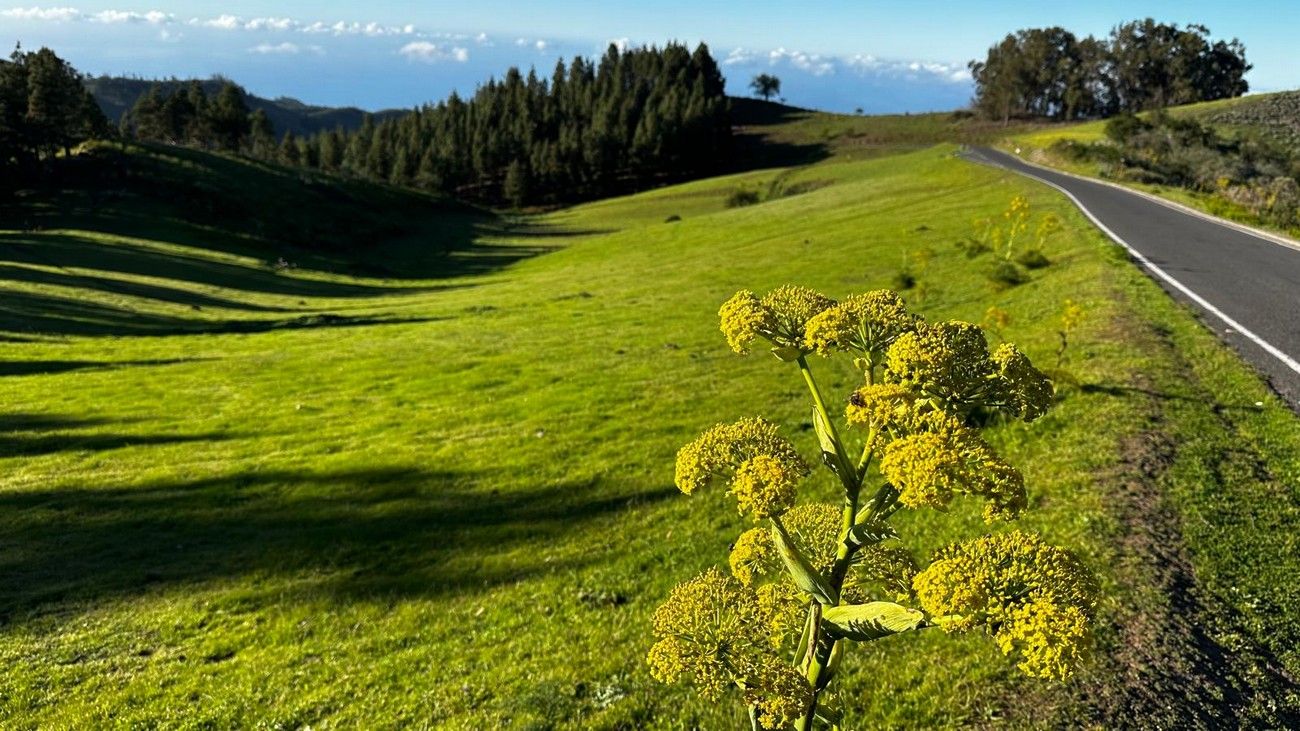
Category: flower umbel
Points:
column 779, row 317
column 1025, row 392
column 1037, row 600
column 761, row 466
column 928, row 468
column 946, row 361
column 714, row 632
column 865, row 323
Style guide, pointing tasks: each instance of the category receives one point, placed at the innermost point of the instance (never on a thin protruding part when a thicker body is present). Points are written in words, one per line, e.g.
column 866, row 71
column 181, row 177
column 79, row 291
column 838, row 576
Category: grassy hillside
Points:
column 117, row 95
column 422, row 477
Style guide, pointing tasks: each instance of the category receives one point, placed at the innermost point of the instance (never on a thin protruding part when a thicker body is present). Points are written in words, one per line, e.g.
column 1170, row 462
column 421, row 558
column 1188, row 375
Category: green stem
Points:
column 851, row 478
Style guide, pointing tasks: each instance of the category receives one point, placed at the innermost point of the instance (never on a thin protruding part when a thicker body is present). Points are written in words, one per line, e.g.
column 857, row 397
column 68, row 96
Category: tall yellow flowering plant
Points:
column 808, row 579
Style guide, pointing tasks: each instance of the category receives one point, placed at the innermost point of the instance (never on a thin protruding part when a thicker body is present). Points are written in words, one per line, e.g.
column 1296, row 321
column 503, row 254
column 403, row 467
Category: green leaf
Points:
column 830, row 455
column 787, row 354
column 869, row 533
column 870, row 621
column 805, row 576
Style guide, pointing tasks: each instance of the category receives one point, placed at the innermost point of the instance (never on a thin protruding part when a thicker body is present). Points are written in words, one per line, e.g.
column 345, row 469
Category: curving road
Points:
column 1245, row 283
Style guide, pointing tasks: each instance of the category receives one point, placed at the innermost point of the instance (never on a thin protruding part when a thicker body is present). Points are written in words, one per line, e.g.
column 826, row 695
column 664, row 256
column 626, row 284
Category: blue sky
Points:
column 880, row 56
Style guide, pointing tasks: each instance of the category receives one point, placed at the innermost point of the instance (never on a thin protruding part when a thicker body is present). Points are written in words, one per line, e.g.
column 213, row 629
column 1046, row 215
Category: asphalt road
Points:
column 1246, row 287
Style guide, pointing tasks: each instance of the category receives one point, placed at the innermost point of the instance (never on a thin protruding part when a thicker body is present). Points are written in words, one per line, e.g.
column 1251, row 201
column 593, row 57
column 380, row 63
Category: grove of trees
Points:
column 44, row 110
column 1142, row 65
column 187, row 116
column 593, row 128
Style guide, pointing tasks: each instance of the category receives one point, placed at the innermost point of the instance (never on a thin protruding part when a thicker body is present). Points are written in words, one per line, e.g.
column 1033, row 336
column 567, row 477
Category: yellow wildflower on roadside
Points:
column 760, row 466
column 780, row 317
column 1026, row 392
column 865, row 323
column 947, row 361
column 929, row 468
column 713, row 632
column 1037, row 600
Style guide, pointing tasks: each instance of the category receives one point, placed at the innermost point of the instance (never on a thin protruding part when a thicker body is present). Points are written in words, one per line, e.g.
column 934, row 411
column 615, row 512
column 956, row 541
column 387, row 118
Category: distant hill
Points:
column 116, row 95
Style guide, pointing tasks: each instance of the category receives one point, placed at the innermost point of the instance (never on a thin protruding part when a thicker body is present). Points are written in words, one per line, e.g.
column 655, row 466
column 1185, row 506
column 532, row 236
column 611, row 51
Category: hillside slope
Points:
column 423, row 477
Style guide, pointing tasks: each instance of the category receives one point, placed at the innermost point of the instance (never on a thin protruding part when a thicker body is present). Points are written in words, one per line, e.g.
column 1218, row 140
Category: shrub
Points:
column 1006, row 274
column 673, row 218
column 1123, row 127
column 742, row 197
column 808, row 579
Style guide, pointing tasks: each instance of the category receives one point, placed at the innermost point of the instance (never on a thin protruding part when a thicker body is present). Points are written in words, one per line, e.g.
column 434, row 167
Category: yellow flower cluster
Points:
column 928, row 468
column 948, row 361
column 865, row 323
column 1037, row 600
column 886, row 408
column 753, row 556
column 765, row 486
column 780, row 317
column 762, row 467
column 711, row 630
column 949, row 364
column 780, row 694
column 1026, row 393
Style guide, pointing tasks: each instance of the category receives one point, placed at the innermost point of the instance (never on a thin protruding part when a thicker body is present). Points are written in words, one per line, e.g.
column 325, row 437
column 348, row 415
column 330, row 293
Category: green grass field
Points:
column 422, row 477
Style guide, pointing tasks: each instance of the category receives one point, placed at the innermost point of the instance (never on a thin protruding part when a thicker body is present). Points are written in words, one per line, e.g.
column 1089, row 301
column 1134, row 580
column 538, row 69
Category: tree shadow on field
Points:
column 753, row 145
column 51, row 315
column 376, row 532
column 52, row 367
column 32, row 435
column 1122, row 391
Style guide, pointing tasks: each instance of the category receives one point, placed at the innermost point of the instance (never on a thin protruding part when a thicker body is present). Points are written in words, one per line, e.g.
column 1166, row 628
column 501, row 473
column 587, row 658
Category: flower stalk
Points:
column 825, row 576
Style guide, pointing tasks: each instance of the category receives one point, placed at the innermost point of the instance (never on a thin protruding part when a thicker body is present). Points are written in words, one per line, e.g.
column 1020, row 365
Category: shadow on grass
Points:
column 31, row 435
column 52, row 367
column 377, row 532
column 1122, row 391
column 48, row 314
column 753, row 143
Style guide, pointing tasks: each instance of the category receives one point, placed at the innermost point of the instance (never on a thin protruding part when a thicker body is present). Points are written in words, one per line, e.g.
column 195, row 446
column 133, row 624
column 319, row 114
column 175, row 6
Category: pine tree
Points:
column 261, row 135
column 515, row 188
column 289, row 152
column 229, row 119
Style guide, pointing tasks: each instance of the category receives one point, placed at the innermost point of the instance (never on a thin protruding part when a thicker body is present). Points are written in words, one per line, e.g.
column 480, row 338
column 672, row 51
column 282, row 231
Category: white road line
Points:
column 1268, row 347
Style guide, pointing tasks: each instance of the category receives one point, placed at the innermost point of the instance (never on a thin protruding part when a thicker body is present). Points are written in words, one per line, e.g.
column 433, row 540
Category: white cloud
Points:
column 223, row 22
column 859, row 64
column 810, row 62
column 153, row 17
column 285, row 49
column 271, row 24
column 739, row 56
column 540, row 45
column 427, row 52
column 483, row 40
column 619, row 43
column 60, row 14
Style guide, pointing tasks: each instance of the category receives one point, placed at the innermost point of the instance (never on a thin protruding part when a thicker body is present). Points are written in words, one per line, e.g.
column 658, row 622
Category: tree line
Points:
column 591, row 129
column 44, row 110
column 1142, row 65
